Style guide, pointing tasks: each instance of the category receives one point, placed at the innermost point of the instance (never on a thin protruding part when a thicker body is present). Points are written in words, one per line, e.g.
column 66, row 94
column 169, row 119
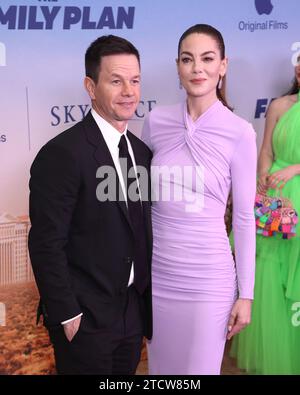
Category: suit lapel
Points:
column 139, row 158
column 102, row 156
column 140, row 161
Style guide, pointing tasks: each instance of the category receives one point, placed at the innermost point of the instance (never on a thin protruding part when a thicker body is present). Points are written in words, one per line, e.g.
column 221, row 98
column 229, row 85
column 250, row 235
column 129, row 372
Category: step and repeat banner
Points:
column 42, row 47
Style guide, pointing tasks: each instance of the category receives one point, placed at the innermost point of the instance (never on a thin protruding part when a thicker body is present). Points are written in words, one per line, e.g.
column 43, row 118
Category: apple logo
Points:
column 263, row 6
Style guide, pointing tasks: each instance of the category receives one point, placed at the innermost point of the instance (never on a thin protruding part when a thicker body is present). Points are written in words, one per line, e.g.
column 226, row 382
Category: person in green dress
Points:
column 271, row 343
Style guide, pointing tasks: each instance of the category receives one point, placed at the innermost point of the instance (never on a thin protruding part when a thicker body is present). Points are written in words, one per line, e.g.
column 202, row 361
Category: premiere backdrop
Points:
column 42, row 46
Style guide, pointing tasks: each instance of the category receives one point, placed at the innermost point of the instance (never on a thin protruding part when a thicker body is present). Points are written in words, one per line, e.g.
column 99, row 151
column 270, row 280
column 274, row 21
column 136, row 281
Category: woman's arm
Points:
column 243, row 175
column 243, row 178
column 279, row 178
column 266, row 155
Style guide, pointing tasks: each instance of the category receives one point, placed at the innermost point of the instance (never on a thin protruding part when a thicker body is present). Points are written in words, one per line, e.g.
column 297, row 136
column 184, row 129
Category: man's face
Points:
column 117, row 93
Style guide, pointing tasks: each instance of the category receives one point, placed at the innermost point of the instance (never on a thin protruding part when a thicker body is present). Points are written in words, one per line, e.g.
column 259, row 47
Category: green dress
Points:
column 271, row 343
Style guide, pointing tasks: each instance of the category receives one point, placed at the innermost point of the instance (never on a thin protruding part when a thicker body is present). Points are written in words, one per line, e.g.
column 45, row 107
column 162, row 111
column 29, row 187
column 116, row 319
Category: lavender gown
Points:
column 195, row 281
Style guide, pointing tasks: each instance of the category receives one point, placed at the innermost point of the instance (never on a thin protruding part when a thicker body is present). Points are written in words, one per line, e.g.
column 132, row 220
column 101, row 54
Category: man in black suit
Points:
column 91, row 246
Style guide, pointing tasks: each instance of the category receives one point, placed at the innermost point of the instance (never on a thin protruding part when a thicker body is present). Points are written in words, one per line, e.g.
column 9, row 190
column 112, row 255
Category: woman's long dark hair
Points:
column 294, row 89
column 217, row 36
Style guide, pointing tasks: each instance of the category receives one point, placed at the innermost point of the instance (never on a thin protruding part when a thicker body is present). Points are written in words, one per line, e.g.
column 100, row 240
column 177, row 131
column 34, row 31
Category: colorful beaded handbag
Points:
column 275, row 215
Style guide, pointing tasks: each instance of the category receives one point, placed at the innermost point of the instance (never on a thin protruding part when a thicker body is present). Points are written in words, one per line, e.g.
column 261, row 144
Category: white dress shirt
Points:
column 112, row 138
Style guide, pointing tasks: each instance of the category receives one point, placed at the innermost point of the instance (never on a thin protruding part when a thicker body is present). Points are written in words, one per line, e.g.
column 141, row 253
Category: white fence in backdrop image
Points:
column 2, row 314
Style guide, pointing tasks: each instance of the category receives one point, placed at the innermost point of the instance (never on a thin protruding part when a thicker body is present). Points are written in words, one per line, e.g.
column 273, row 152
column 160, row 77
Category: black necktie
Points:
column 136, row 217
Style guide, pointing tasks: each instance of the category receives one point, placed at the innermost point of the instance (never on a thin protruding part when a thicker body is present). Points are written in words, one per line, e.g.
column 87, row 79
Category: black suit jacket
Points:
column 82, row 249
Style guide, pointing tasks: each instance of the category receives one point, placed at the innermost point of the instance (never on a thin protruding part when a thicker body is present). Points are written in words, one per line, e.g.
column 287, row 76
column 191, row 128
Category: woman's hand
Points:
column 240, row 317
column 262, row 183
column 281, row 177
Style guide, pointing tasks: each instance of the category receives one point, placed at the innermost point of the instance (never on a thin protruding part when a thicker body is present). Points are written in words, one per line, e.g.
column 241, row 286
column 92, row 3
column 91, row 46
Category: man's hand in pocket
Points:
column 71, row 328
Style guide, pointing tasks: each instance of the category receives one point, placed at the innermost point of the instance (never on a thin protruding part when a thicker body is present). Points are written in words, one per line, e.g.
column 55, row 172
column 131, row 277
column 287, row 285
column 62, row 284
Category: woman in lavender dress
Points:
column 200, row 296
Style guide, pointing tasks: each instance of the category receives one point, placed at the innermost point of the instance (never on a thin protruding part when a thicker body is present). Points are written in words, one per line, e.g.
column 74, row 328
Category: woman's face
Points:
column 297, row 70
column 200, row 65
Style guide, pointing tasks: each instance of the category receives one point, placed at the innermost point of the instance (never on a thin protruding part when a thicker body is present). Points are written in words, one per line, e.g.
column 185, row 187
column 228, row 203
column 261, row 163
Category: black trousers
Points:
column 112, row 351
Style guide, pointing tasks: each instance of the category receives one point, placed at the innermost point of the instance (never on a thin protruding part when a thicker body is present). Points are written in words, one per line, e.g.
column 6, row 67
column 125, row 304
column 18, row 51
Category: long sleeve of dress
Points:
column 243, row 173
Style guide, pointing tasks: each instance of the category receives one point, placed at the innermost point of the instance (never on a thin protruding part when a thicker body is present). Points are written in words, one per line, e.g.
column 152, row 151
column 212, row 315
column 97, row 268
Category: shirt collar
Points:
column 110, row 134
